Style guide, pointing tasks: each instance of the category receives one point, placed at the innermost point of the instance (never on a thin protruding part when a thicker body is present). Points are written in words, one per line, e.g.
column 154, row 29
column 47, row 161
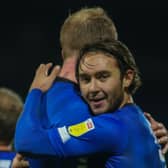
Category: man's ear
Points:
column 128, row 78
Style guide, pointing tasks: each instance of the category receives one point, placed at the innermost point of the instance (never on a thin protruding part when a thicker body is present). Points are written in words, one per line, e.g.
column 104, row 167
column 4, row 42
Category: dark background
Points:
column 29, row 35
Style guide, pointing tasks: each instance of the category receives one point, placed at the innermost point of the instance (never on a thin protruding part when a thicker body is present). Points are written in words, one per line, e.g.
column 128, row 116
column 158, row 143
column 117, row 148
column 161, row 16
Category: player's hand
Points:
column 160, row 132
column 19, row 162
column 43, row 80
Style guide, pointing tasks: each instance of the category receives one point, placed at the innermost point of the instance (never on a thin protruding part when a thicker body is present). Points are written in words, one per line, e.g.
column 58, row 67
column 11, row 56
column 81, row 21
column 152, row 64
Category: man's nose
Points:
column 94, row 86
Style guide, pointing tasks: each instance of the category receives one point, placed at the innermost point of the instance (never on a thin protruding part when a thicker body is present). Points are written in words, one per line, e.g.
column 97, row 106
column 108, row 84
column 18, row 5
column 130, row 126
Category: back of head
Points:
column 86, row 26
column 10, row 107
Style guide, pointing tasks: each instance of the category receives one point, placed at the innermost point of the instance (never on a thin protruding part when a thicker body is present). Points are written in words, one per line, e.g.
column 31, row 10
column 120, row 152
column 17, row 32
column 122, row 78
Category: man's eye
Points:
column 84, row 79
column 104, row 76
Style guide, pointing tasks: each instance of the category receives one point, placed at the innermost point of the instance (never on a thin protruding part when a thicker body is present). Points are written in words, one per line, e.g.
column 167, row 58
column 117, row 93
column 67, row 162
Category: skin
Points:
column 101, row 84
column 20, row 162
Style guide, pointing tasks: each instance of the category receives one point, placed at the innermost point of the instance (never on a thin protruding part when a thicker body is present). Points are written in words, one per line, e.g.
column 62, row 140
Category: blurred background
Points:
column 29, row 35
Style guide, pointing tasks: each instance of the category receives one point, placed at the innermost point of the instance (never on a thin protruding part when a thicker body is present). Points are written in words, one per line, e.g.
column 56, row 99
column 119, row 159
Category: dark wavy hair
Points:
column 120, row 52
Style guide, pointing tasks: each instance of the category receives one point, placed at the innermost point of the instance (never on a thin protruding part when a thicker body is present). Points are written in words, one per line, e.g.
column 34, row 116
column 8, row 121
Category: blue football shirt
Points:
column 125, row 135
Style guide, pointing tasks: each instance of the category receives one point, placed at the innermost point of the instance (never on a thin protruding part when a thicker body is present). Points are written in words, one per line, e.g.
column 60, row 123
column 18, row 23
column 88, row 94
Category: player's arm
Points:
column 84, row 138
column 42, row 83
column 160, row 132
column 29, row 126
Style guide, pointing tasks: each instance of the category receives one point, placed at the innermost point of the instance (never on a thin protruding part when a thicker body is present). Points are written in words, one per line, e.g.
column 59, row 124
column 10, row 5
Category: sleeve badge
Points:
column 81, row 128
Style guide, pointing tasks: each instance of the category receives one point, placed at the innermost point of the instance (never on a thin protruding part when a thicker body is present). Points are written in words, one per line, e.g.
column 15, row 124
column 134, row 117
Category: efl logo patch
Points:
column 81, row 128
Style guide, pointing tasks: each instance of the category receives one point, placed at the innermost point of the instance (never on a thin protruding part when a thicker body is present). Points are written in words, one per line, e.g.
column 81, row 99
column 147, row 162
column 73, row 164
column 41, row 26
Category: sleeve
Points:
column 30, row 136
column 93, row 135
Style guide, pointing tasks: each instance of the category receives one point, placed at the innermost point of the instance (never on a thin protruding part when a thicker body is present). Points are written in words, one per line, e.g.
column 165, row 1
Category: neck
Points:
column 68, row 69
column 127, row 99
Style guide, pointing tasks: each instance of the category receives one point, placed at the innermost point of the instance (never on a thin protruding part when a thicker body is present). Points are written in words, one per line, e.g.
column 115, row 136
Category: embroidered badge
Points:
column 81, row 128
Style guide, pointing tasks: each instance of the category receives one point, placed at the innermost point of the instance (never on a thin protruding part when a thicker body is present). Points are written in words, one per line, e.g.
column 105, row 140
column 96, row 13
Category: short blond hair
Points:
column 88, row 25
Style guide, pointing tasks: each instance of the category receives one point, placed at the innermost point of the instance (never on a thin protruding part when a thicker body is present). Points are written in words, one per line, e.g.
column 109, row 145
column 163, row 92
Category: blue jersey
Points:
column 6, row 158
column 62, row 104
column 125, row 134
column 52, row 113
